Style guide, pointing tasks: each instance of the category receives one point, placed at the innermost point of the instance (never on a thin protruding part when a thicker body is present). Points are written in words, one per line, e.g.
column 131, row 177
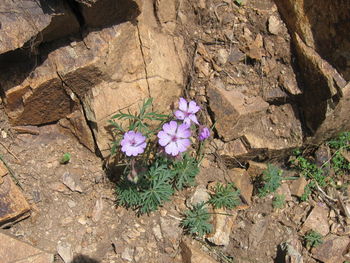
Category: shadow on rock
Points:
column 84, row 259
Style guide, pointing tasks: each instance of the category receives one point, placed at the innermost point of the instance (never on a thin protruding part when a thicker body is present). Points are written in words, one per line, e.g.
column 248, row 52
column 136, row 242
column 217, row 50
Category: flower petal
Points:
column 183, row 131
column 180, row 115
column 183, row 104
column 164, row 138
column 193, row 118
column 183, row 144
column 172, row 149
column 170, row 128
column 139, row 138
column 193, row 107
column 187, row 122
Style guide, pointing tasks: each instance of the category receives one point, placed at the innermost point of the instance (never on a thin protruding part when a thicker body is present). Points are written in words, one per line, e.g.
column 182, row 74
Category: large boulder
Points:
column 27, row 22
column 91, row 79
column 319, row 31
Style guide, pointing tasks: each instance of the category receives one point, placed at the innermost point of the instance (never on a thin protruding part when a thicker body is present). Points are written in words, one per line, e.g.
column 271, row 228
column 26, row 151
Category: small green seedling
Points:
column 65, row 158
column 313, row 239
column 225, row 196
column 279, row 201
column 239, row 2
column 271, row 179
column 196, row 220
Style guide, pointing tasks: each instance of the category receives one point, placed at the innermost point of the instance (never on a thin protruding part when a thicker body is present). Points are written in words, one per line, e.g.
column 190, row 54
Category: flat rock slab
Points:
column 332, row 249
column 13, row 205
column 15, row 251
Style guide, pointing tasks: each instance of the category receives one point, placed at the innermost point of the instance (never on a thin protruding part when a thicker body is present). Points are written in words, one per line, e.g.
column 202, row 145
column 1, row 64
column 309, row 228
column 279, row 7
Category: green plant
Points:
column 158, row 157
column 185, row 172
column 340, row 145
column 196, row 220
column 271, row 180
column 314, row 174
column 313, row 239
column 65, row 158
column 225, row 196
column 279, row 201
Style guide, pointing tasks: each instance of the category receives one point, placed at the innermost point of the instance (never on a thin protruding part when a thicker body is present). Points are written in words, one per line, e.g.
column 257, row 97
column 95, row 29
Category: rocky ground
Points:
column 240, row 49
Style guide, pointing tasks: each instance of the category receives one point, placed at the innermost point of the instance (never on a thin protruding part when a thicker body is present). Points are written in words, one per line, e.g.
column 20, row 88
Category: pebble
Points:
column 64, row 249
column 128, row 254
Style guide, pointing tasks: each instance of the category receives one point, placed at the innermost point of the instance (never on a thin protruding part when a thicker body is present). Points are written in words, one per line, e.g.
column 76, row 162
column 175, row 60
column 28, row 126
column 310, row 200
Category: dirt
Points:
column 88, row 219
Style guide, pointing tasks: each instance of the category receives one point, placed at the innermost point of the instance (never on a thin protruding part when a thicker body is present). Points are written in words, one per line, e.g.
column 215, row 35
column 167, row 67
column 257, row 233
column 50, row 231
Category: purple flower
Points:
column 187, row 111
column 174, row 137
column 133, row 143
column 204, row 133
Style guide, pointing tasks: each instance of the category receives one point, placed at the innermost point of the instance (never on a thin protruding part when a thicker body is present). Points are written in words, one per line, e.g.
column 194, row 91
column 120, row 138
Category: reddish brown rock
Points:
column 223, row 223
column 317, row 220
column 98, row 75
column 297, row 186
column 13, row 250
column 234, row 111
column 256, row 169
column 24, row 21
column 332, row 249
column 13, row 205
column 241, row 179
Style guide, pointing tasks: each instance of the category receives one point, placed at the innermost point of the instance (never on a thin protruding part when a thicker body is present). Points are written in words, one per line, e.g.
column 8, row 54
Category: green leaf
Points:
column 65, row 158
column 225, row 196
column 196, row 220
column 185, row 171
column 271, row 178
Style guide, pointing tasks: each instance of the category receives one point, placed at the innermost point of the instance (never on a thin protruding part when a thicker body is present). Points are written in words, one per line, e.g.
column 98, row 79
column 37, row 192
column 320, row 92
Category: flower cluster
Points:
column 174, row 136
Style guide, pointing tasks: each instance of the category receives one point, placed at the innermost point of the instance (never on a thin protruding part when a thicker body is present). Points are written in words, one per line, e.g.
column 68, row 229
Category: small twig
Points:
column 215, row 11
column 9, row 151
column 321, row 190
column 175, row 217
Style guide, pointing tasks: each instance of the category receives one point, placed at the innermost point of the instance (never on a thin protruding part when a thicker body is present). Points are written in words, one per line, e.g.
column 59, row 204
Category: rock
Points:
column 242, row 181
column 25, row 21
column 128, row 254
column 257, row 232
column 235, row 148
column 284, row 190
column 103, row 13
column 235, row 55
column 316, row 35
column 297, row 186
column 232, row 109
column 317, row 220
column 157, row 233
column 71, row 182
column 97, row 210
column 274, row 25
column 13, row 250
column 332, row 249
column 255, row 48
column 256, row 169
column 322, row 155
column 200, row 195
column 191, row 252
column 76, row 123
column 13, row 205
column 293, row 249
column 222, row 56
column 223, row 225
column 64, row 249
column 98, row 75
